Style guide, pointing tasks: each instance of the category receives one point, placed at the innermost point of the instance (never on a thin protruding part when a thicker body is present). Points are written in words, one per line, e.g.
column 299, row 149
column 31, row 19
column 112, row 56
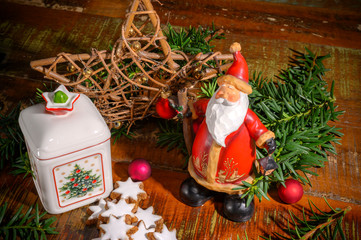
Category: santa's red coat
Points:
column 224, row 168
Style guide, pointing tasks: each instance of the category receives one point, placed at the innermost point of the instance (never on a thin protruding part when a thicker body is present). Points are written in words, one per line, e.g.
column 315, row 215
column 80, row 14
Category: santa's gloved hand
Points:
column 270, row 145
column 267, row 165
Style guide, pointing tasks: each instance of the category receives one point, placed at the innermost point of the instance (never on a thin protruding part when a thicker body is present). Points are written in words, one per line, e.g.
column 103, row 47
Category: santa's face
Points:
column 228, row 92
column 226, row 112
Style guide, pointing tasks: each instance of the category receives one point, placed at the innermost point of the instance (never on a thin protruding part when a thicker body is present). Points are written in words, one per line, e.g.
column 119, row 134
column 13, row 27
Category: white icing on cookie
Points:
column 97, row 209
column 166, row 234
column 118, row 209
column 141, row 233
column 147, row 216
column 128, row 189
column 118, row 228
column 115, row 229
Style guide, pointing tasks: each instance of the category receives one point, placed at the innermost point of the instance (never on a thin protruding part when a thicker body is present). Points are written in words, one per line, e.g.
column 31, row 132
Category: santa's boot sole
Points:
column 193, row 194
column 234, row 208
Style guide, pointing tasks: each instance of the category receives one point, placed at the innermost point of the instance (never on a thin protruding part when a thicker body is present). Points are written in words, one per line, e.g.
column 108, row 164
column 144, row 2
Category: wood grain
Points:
column 204, row 222
column 267, row 31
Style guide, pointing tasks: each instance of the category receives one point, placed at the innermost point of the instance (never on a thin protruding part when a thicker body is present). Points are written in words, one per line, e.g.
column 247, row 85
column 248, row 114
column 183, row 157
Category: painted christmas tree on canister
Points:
column 80, row 183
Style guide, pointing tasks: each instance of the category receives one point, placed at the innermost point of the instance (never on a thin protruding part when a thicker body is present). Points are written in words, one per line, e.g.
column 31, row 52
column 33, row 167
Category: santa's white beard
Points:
column 224, row 117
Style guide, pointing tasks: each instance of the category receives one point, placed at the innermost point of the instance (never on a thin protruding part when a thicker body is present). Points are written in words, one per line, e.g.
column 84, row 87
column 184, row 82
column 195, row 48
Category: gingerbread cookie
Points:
column 149, row 219
column 131, row 191
column 117, row 228
column 95, row 211
column 165, row 234
column 122, row 219
column 119, row 209
column 142, row 232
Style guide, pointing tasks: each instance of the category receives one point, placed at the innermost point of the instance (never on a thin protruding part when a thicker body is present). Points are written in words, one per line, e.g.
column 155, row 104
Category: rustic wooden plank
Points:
column 323, row 22
column 263, row 55
column 329, row 23
column 204, row 222
column 29, row 33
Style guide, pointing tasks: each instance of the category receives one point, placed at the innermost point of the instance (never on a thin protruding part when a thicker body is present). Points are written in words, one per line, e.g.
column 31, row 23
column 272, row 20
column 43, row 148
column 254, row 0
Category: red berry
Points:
column 164, row 109
column 292, row 193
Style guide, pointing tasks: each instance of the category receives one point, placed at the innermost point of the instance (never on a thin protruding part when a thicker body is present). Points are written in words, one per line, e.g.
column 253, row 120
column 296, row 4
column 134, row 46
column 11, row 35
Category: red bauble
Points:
column 164, row 109
column 139, row 170
column 292, row 193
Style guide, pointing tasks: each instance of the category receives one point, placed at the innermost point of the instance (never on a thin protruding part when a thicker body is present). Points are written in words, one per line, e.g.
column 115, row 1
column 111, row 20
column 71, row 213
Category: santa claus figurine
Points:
column 224, row 149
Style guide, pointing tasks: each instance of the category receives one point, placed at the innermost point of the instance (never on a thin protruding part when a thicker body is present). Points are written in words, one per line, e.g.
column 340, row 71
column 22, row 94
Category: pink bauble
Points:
column 292, row 193
column 139, row 170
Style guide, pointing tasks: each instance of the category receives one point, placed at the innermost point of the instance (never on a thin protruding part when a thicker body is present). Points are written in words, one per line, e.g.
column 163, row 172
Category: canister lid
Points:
column 50, row 136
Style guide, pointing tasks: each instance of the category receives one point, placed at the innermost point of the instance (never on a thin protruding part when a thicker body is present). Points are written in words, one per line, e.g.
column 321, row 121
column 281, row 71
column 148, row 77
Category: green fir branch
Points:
column 25, row 226
column 12, row 144
column 171, row 136
column 22, row 165
column 297, row 107
column 123, row 130
column 39, row 93
column 320, row 225
column 208, row 89
column 192, row 40
column 11, row 138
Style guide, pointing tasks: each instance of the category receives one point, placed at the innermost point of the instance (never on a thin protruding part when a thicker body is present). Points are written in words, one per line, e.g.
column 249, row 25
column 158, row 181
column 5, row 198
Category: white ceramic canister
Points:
column 69, row 150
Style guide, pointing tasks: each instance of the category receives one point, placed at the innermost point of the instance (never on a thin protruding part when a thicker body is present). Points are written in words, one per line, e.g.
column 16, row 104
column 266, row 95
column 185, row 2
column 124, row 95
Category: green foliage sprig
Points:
column 208, row 89
column 22, row 165
column 11, row 138
column 25, row 226
column 171, row 135
column 123, row 130
column 321, row 225
column 297, row 108
column 193, row 40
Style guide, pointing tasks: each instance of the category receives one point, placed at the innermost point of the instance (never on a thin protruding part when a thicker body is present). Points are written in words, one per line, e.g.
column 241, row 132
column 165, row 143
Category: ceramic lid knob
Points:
column 61, row 101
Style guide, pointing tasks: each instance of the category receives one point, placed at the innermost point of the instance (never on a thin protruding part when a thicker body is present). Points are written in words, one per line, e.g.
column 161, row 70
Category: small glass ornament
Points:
column 136, row 46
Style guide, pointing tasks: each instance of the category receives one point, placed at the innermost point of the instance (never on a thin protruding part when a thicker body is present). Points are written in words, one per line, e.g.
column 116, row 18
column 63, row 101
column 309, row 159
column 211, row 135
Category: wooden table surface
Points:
column 267, row 30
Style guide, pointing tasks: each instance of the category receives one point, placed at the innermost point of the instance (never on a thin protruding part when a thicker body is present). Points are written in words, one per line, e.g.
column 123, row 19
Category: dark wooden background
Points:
column 267, row 30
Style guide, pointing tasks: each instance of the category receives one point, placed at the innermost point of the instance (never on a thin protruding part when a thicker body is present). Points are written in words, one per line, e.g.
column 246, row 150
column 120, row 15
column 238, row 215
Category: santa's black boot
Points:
column 193, row 194
column 234, row 208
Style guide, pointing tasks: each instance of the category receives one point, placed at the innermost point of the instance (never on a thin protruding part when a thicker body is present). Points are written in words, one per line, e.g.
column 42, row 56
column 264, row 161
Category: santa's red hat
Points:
column 237, row 74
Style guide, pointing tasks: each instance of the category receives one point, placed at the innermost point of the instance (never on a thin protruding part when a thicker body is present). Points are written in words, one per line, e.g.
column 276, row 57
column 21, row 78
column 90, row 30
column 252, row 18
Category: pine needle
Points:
column 320, row 225
column 297, row 108
column 25, row 226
